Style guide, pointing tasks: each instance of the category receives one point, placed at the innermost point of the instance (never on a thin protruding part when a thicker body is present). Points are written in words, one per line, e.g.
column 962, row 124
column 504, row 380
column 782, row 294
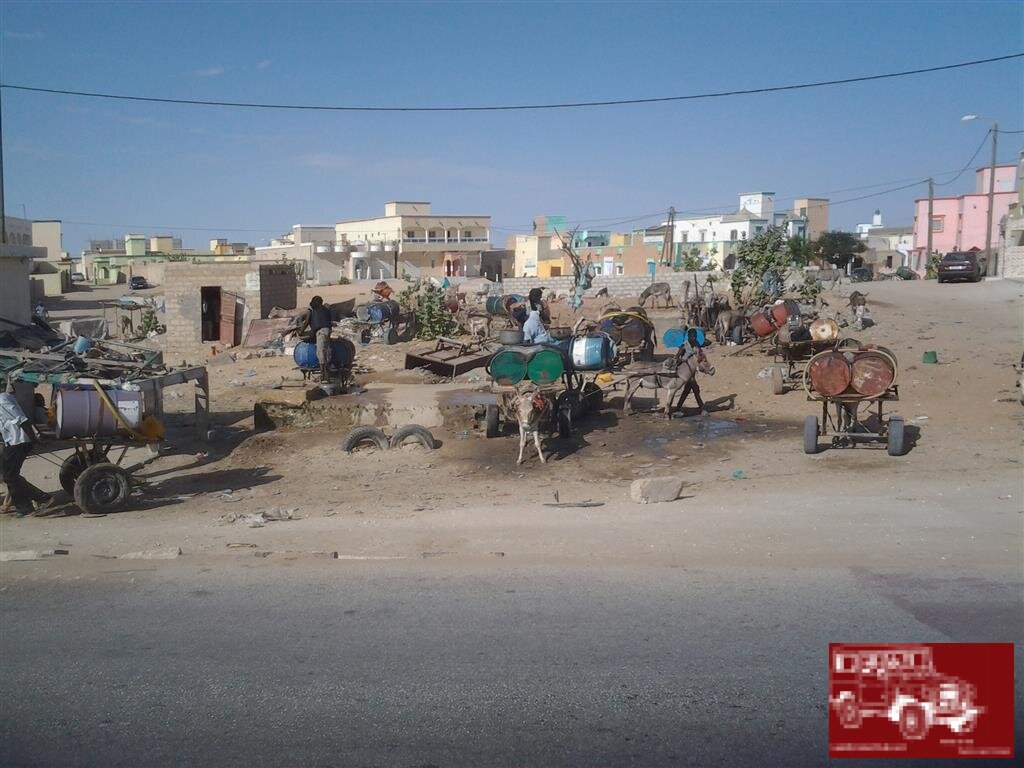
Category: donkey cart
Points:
column 853, row 387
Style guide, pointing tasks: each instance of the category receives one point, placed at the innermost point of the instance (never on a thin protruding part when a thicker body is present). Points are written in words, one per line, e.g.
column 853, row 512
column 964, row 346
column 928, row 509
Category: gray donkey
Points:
column 675, row 375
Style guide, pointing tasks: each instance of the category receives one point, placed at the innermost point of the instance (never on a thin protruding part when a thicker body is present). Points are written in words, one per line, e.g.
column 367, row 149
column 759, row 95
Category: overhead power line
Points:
column 512, row 107
column 970, row 162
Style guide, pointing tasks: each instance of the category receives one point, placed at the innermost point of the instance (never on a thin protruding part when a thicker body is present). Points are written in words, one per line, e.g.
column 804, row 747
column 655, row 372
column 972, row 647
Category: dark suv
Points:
column 962, row 265
column 137, row 283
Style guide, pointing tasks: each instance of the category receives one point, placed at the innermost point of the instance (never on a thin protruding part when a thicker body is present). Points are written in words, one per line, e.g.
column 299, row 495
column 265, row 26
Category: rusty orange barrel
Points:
column 872, row 373
column 830, row 373
column 780, row 314
column 761, row 324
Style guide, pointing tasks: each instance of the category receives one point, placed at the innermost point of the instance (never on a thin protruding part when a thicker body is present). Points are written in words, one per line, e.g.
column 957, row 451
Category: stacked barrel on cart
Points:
column 865, row 371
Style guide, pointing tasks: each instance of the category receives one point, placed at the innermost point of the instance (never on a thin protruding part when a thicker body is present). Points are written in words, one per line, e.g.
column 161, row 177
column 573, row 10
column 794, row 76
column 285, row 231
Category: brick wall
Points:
column 278, row 287
column 183, row 299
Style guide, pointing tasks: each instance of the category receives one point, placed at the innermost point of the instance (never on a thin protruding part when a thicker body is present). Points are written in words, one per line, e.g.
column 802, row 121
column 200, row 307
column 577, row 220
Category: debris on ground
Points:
column 160, row 553
column 651, row 490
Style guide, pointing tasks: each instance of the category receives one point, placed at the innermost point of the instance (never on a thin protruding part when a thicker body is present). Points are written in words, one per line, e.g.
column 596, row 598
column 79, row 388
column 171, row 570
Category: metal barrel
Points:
column 508, row 365
column 830, row 373
column 546, row 366
column 343, row 352
column 82, row 413
column 872, row 372
column 761, row 324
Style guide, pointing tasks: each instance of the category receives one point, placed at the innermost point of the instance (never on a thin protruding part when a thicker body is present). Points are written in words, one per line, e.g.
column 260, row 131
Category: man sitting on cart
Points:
column 534, row 331
column 16, row 436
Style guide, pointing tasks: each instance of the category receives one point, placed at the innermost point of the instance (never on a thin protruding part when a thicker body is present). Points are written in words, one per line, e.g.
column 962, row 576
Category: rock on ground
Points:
column 162, row 553
column 649, row 490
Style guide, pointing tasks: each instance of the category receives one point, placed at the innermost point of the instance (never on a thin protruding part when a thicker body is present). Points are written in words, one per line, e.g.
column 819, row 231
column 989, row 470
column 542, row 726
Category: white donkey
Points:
column 676, row 375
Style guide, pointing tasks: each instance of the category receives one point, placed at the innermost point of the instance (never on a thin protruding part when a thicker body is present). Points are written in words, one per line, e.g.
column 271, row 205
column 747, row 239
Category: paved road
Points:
column 443, row 662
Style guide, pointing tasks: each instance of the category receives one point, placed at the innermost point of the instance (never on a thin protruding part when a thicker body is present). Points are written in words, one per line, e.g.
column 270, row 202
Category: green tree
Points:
column 838, row 248
column 799, row 251
column 761, row 260
column 432, row 317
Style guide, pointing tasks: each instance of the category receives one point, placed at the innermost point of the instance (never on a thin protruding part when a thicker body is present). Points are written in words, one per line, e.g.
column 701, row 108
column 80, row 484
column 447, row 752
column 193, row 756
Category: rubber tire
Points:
column 811, row 434
column 361, row 435
column 422, row 435
column 492, row 423
column 941, row 281
column 897, row 445
column 102, row 488
column 593, row 397
column 778, row 385
column 70, row 471
column 917, row 728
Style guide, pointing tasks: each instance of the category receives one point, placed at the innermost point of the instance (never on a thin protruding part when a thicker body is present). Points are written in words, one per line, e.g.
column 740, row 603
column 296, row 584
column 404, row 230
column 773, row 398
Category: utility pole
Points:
column 3, row 213
column 931, row 199
column 992, row 267
column 670, row 236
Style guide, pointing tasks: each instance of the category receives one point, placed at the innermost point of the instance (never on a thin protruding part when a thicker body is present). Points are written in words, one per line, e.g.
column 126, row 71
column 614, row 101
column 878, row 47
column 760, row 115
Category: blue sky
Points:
column 121, row 165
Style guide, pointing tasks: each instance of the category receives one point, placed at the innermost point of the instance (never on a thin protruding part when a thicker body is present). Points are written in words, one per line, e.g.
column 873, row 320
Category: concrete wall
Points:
column 620, row 285
column 1012, row 262
column 53, row 279
column 19, row 231
column 16, row 263
column 47, row 234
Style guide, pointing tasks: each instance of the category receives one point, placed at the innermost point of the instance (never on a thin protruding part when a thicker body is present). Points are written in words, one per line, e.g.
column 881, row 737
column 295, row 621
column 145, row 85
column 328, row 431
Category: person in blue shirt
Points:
column 534, row 331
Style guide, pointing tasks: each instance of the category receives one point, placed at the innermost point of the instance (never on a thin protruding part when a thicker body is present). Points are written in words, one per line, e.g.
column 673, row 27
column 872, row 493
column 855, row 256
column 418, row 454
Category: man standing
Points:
column 16, row 435
column 319, row 325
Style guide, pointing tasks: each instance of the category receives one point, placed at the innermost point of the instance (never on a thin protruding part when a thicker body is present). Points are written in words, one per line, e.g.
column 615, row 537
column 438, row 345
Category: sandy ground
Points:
column 470, row 499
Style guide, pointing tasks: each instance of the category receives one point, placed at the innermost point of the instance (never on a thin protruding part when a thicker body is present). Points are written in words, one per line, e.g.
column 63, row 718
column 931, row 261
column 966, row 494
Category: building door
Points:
column 231, row 306
column 210, row 313
column 556, row 272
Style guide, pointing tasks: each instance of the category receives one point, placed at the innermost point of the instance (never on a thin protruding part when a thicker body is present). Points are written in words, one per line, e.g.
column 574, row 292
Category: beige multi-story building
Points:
column 815, row 210
column 410, row 239
column 47, row 234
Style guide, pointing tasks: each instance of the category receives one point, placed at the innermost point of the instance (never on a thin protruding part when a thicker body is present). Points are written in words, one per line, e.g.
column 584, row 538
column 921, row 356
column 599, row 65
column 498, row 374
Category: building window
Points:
column 618, row 269
column 702, row 233
column 938, row 223
column 732, row 234
column 410, row 233
column 758, row 230
column 432, row 234
column 597, row 269
column 468, row 233
column 451, row 234
column 743, row 235
column 686, row 237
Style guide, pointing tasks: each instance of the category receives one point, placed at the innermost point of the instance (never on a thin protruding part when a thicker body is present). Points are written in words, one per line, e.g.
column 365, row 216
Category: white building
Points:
column 717, row 236
column 312, row 249
column 876, row 223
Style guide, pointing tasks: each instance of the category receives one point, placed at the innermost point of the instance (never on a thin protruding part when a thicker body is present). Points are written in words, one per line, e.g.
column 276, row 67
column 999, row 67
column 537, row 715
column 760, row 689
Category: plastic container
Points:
column 82, row 345
column 508, row 366
column 342, row 354
column 382, row 311
column 82, row 413
column 676, row 337
column 591, row 353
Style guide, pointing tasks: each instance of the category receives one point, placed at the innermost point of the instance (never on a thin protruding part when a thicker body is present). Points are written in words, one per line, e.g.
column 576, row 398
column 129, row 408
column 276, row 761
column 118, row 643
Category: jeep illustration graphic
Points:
column 902, row 685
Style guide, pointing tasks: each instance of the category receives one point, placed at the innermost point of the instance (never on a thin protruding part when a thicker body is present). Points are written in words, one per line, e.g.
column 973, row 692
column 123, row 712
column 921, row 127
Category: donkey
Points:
column 676, row 375
column 654, row 291
column 530, row 407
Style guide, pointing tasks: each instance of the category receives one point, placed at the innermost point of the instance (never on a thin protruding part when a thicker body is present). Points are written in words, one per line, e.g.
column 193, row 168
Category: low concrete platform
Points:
column 455, row 406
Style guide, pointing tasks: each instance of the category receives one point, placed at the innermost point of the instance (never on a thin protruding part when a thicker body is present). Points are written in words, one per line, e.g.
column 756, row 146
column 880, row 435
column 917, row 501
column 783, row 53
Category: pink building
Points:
column 958, row 223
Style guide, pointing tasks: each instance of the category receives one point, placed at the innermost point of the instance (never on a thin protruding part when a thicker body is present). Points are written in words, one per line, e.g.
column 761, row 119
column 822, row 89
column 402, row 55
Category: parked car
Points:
column 77, row 277
column 962, row 265
column 862, row 275
column 137, row 283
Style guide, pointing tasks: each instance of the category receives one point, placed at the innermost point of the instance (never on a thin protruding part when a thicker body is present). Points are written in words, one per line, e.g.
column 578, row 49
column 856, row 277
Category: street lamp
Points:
column 993, row 261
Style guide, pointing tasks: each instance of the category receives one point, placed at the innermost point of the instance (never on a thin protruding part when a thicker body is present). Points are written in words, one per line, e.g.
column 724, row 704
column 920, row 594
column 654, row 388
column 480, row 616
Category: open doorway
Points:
column 221, row 318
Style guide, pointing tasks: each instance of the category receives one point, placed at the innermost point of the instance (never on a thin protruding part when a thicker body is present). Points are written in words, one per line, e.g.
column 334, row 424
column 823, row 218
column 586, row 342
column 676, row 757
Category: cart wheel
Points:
column 102, row 488
column 593, row 396
column 811, row 434
column 896, row 441
column 493, row 426
column 420, row 434
column 391, row 337
column 70, row 470
column 364, row 436
column 778, row 385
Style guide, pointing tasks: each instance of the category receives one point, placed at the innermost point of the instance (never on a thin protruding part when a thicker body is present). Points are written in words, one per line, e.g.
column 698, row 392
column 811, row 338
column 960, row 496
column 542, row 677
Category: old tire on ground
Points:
column 897, row 444
column 364, row 436
column 102, row 488
column 811, row 434
column 913, row 722
column 413, row 431
column 491, row 421
column 593, row 397
column 778, row 385
column 70, row 471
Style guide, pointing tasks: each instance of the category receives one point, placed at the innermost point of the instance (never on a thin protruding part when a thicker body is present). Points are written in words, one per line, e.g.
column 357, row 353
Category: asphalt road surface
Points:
column 456, row 663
